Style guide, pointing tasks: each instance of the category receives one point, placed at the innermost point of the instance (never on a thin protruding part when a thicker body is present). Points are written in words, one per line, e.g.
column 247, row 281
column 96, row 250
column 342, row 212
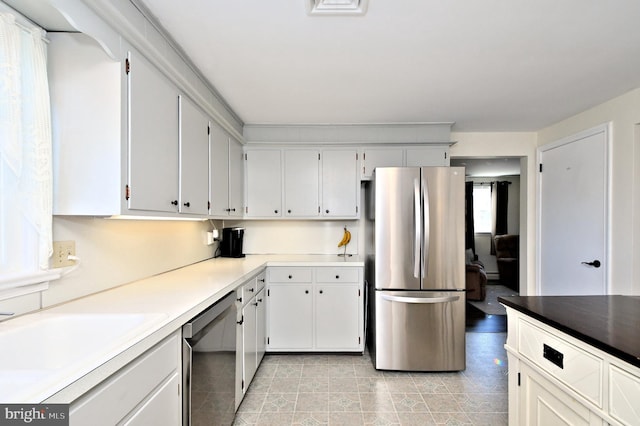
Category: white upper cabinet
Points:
column 340, row 183
column 410, row 156
column 264, row 183
column 153, row 135
column 236, row 178
column 301, row 183
column 380, row 157
column 427, row 156
column 226, row 174
column 194, row 164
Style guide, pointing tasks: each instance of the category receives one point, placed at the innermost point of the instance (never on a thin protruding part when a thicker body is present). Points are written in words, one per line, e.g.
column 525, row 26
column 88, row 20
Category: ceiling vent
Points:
column 336, row 7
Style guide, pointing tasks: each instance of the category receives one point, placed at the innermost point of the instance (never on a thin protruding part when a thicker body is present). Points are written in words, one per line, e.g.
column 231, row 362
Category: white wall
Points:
column 623, row 113
column 510, row 144
column 116, row 252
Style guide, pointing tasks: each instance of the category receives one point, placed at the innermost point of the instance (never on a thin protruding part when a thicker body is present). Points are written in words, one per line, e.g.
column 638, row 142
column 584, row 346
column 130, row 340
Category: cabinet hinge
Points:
column 127, row 66
column 268, row 341
column 540, row 167
column 268, row 292
column 359, row 338
column 246, row 210
column 518, row 379
column 318, row 209
column 356, row 156
column 358, row 292
column 208, row 205
column 245, row 156
column 318, row 156
column 127, row 192
column 243, row 384
column 445, row 155
column 356, row 209
column 208, row 130
column 178, row 388
column 364, row 156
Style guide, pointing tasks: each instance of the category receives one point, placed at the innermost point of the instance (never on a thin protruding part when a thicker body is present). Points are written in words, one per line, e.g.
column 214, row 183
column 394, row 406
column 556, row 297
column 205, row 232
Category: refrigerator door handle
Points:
column 424, row 300
column 417, row 219
column 426, row 224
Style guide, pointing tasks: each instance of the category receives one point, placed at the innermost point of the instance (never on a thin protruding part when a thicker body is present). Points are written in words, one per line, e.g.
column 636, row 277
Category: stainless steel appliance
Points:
column 231, row 245
column 415, row 268
column 209, row 365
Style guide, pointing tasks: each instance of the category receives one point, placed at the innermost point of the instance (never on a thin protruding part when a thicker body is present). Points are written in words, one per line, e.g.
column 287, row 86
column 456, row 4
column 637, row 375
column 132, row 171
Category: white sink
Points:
column 62, row 347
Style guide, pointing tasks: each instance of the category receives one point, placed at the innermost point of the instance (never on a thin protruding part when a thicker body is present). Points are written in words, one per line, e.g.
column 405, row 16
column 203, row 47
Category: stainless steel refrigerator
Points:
column 415, row 268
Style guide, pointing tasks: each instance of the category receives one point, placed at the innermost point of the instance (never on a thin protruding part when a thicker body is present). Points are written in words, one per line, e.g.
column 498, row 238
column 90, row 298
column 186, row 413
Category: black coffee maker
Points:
column 231, row 244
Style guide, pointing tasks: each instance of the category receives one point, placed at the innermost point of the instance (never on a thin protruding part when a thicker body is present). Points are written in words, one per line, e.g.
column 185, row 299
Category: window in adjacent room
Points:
column 482, row 208
column 25, row 156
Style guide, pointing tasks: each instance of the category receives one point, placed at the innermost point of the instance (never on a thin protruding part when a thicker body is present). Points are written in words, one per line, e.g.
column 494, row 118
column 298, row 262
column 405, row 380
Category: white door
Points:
column 264, row 183
column 153, row 138
column 340, row 183
column 337, row 317
column 194, row 158
column 290, row 317
column 219, row 172
column 236, row 178
column 301, row 183
column 573, row 215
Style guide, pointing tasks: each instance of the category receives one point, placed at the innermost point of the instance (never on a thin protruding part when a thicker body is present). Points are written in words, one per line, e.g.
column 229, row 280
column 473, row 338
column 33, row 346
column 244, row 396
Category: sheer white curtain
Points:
column 25, row 149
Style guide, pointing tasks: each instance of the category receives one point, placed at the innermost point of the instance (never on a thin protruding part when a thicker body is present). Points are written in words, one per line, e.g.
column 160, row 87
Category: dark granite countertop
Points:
column 609, row 323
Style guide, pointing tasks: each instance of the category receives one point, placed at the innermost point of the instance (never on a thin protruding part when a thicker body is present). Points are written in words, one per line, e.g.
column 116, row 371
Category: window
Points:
column 25, row 156
column 482, row 208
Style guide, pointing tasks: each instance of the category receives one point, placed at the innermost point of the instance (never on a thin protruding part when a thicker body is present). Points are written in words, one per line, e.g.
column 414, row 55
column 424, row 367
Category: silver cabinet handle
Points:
column 417, row 218
column 426, row 300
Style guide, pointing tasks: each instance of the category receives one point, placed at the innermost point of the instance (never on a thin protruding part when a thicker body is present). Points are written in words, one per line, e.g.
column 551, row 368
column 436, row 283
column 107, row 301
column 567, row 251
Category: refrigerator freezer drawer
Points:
column 419, row 331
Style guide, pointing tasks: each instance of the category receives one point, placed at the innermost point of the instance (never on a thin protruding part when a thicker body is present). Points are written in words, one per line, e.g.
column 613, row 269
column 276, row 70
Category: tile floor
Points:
column 347, row 390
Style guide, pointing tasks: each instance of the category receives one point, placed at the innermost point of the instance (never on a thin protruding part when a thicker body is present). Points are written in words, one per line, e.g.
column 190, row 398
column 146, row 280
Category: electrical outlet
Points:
column 61, row 252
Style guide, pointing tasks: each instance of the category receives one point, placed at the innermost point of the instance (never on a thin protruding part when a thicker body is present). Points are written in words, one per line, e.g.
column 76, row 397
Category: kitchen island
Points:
column 573, row 359
column 58, row 354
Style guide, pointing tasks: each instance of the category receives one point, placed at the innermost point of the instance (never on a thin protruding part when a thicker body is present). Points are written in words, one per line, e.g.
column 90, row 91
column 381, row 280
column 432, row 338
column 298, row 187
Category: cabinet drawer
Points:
column 112, row 400
column 576, row 368
column 623, row 387
column 290, row 275
column 338, row 275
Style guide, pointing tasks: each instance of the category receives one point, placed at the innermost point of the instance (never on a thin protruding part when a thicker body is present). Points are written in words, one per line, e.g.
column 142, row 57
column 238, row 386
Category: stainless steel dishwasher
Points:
column 209, row 365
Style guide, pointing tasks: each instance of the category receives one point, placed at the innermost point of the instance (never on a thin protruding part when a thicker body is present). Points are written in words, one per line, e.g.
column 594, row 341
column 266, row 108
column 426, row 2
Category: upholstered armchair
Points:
column 475, row 278
column 507, row 256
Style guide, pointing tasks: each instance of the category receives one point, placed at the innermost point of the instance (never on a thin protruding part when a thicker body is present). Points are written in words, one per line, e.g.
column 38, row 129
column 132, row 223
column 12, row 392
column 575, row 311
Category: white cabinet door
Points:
column 264, row 183
column 290, row 315
column 163, row 408
column 194, row 164
column 301, row 183
column 153, row 138
column 249, row 337
column 380, row 157
column 340, row 183
column 261, row 325
column 337, row 316
column 236, row 178
column 427, row 156
column 219, row 172
column 542, row 403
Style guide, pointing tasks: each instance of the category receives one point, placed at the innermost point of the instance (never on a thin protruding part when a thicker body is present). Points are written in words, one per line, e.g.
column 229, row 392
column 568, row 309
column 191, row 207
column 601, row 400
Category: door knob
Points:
column 596, row 263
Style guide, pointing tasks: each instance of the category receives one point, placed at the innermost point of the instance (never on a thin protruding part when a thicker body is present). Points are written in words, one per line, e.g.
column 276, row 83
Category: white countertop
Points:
column 59, row 353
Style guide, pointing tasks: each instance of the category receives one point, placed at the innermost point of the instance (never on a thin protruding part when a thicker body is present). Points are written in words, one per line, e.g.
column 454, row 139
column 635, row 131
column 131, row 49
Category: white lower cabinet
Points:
column 146, row 391
column 315, row 309
column 251, row 332
column 556, row 379
column 542, row 403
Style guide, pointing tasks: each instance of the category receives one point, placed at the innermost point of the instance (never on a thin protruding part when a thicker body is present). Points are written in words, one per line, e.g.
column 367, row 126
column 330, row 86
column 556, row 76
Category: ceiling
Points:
column 491, row 65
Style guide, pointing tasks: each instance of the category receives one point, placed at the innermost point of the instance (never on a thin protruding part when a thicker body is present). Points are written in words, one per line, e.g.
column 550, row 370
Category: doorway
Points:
column 484, row 176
